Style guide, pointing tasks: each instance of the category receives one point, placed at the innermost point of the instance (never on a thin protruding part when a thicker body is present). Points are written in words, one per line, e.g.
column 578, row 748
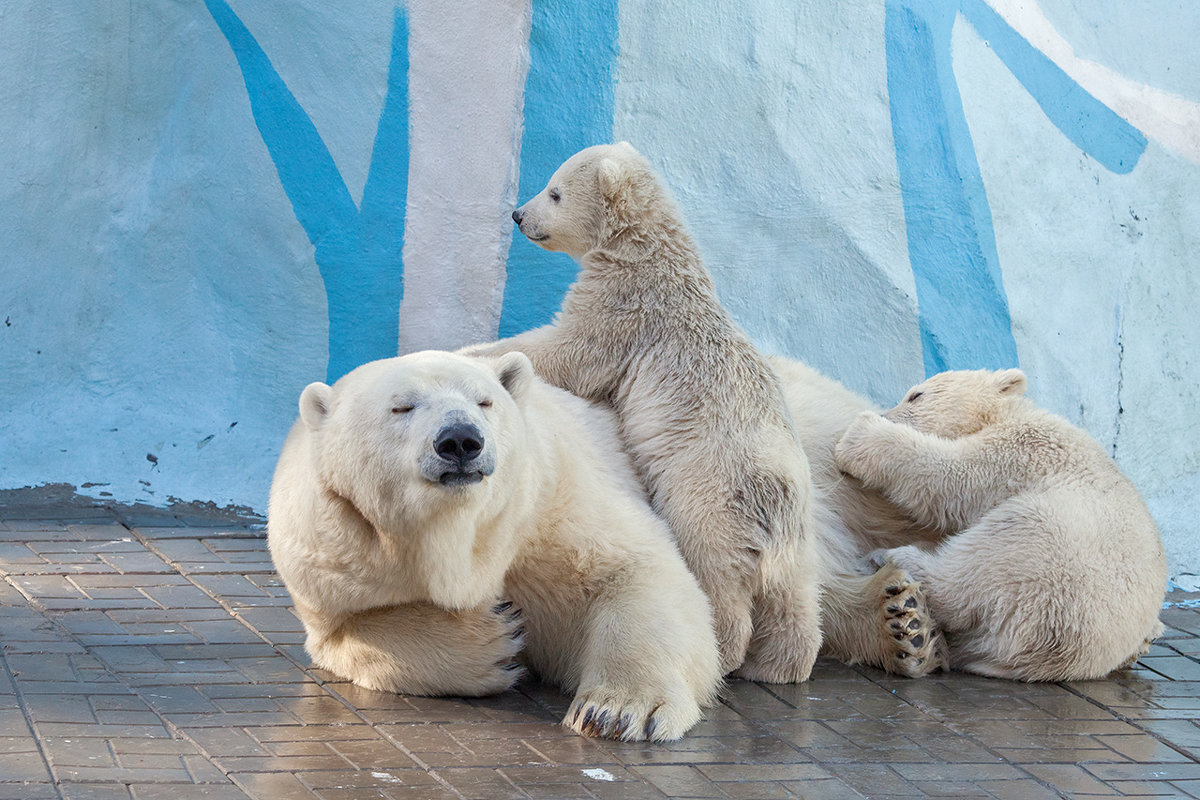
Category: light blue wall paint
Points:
column 1148, row 40
column 790, row 190
column 568, row 106
column 359, row 253
column 1094, row 128
column 1096, row 295
column 156, row 306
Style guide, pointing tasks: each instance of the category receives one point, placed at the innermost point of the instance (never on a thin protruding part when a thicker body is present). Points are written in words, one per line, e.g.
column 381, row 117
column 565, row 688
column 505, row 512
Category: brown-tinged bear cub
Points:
column 1053, row 568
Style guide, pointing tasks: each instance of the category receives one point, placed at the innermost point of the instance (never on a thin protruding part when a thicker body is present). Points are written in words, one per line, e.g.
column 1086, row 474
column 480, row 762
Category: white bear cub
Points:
column 419, row 499
column 1053, row 568
column 701, row 413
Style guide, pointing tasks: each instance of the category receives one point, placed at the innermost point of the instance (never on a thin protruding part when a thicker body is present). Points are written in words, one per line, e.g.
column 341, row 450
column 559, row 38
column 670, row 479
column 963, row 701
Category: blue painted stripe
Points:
column 359, row 256
column 1092, row 126
column 569, row 98
column 385, row 194
column 319, row 196
column 963, row 312
column 364, row 299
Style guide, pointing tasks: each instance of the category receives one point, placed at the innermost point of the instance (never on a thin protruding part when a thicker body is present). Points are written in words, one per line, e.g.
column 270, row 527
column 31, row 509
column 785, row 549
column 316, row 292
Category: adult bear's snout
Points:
column 518, row 216
column 459, row 443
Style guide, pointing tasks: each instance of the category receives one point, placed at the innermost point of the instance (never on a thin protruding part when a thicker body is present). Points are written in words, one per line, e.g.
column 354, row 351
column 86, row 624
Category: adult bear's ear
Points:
column 314, row 404
column 515, row 372
column 1011, row 382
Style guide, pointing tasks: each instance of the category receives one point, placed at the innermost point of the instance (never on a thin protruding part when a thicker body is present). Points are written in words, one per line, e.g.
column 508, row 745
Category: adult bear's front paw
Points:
column 505, row 638
column 611, row 714
column 480, row 653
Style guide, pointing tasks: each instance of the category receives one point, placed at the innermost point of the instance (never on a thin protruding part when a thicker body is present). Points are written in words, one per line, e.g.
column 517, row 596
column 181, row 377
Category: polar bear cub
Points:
column 1055, row 569
column 420, row 499
column 700, row 411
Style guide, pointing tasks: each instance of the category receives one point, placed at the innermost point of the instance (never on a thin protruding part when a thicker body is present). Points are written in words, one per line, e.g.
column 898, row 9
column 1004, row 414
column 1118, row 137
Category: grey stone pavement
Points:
column 154, row 655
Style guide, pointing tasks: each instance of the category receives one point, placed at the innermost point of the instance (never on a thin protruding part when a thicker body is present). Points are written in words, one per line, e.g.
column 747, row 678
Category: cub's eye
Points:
column 401, row 409
column 913, row 397
column 485, row 403
column 555, row 195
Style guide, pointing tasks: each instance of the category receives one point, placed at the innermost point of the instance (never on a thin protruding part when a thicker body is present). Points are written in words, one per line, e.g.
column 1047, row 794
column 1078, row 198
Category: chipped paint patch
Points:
column 599, row 774
column 386, row 777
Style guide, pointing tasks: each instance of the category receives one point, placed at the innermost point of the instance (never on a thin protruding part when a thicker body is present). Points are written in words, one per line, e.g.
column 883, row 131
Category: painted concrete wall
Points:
column 210, row 203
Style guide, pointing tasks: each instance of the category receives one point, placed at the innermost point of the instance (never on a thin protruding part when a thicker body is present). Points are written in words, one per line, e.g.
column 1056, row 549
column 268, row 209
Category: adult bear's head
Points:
column 406, row 437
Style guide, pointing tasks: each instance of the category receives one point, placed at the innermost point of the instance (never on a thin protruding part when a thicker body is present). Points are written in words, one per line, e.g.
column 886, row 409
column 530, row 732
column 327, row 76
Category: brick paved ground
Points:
column 147, row 658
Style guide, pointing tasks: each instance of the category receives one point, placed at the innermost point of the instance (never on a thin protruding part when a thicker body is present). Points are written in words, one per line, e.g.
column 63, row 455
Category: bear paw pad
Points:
column 915, row 646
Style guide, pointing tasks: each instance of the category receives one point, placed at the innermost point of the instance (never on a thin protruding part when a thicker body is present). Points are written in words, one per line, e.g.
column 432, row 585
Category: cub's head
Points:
column 402, row 435
column 587, row 197
column 959, row 403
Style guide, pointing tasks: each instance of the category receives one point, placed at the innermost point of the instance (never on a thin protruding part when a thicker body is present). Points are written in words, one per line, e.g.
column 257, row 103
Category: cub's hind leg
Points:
column 883, row 620
column 786, row 618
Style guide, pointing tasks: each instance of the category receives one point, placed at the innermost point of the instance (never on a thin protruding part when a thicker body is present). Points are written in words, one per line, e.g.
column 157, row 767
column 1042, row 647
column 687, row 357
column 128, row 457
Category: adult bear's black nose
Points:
column 517, row 215
column 461, row 442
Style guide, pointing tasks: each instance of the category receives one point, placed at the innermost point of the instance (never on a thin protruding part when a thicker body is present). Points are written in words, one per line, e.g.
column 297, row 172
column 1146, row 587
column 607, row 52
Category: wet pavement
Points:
column 151, row 655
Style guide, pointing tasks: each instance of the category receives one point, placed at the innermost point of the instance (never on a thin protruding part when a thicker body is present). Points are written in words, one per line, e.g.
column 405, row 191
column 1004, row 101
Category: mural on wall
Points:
column 963, row 312
column 962, row 307
column 358, row 249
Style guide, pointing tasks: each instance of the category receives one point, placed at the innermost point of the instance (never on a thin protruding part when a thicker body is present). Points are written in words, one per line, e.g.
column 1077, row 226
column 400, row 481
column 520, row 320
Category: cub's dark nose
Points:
column 517, row 216
column 459, row 443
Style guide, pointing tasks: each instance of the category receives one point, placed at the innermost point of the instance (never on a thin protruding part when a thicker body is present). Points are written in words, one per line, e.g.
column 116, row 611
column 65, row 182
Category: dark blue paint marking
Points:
column 963, row 310
column 358, row 254
column 1092, row 126
column 568, row 106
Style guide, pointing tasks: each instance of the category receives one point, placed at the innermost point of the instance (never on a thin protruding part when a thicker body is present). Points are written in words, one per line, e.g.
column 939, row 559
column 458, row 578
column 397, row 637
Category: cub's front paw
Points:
column 855, row 451
column 611, row 714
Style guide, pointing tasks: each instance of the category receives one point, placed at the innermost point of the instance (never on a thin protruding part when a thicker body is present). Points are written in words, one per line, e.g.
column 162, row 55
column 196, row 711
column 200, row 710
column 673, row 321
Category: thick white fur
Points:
column 700, row 411
column 1053, row 568
column 879, row 617
column 399, row 579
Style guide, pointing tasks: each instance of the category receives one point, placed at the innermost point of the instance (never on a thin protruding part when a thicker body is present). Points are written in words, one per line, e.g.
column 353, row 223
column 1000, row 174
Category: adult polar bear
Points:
column 1053, row 568
column 418, row 492
column 707, row 423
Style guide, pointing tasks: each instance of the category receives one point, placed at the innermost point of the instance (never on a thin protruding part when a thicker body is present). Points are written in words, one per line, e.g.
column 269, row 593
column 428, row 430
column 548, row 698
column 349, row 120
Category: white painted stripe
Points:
column 1170, row 120
column 468, row 62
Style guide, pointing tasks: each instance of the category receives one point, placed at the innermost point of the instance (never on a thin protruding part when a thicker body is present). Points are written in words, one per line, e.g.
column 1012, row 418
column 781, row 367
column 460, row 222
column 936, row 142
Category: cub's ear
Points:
column 1011, row 382
column 515, row 372
column 627, row 147
column 609, row 173
column 314, row 404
